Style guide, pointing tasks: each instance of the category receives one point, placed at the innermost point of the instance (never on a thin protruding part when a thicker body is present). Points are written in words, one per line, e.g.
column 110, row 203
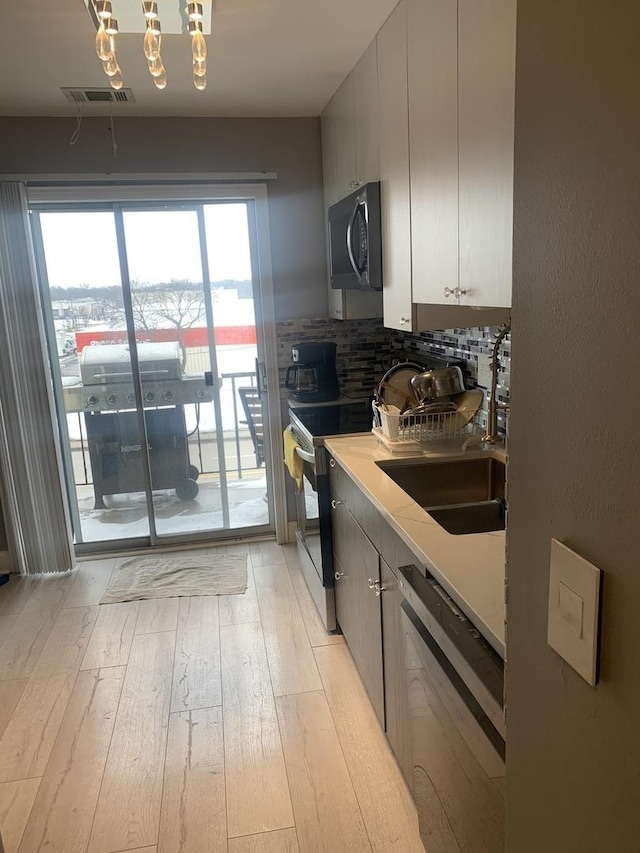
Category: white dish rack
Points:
column 406, row 432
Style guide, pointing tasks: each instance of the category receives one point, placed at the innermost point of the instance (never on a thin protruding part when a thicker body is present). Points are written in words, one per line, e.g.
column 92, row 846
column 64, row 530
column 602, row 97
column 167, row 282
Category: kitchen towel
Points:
column 295, row 465
column 174, row 575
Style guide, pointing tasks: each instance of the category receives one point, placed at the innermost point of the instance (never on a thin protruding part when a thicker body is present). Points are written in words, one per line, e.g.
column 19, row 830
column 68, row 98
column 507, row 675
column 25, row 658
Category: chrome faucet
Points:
column 492, row 436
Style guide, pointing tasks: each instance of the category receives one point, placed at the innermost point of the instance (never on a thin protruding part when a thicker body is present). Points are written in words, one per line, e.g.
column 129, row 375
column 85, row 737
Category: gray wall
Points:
column 574, row 751
column 289, row 146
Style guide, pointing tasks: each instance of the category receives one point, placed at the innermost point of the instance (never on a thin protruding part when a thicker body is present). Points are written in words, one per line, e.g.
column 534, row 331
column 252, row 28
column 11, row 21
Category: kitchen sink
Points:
column 462, row 495
column 482, row 517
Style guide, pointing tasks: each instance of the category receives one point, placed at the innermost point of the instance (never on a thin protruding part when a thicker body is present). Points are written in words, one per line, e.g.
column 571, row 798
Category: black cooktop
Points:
column 336, row 419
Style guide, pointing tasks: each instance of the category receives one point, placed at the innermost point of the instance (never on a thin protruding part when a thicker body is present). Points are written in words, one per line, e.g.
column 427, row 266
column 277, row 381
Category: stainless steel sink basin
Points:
column 482, row 517
column 462, row 495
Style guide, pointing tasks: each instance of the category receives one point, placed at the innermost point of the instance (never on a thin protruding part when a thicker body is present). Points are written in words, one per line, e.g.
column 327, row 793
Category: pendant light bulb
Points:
column 110, row 66
column 200, row 81
column 151, row 44
column 103, row 9
column 116, row 81
column 198, row 46
column 156, row 68
column 160, row 81
column 103, row 44
column 199, row 67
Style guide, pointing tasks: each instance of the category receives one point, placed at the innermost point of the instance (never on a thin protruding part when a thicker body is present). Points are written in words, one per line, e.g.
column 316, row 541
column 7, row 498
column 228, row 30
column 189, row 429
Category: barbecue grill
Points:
column 104, row 392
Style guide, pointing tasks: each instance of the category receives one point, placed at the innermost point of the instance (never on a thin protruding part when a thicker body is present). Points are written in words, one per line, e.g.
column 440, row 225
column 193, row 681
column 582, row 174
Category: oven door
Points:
column 457, row 769
column 308, row 511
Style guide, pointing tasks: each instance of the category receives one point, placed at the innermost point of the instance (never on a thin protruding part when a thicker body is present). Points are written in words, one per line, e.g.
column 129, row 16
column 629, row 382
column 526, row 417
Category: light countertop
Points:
column 471, row 568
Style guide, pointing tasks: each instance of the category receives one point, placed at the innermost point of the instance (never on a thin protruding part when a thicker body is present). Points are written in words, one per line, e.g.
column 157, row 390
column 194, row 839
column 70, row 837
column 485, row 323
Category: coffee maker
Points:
column 313, row 377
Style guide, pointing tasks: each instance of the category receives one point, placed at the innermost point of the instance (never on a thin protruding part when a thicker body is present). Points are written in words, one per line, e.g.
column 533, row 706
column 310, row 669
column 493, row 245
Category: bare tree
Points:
column 179, row 304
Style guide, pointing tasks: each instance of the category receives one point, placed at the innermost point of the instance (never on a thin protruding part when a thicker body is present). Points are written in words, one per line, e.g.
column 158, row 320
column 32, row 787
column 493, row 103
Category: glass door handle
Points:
column 261, row 376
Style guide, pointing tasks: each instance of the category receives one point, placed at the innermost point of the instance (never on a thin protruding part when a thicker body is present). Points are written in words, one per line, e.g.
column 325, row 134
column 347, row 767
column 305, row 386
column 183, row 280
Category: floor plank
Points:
column 318, row 635
column 237, row 609
column 28, row 739
column 280, row 841
column 291, row 661
column 10, row 693
column 68, row 640
column 325, row 807
column 387, row 808
column 193, row 817
column 15, row 594
column 49, row 592
column 266, row 554
column 112, row 636
column 128, row 812
column 16, row 800
column 90, row 584
column 6, row 626
column 65, row 805
column 21, row 649
column 157, row 615
column 196, row 677
column 256, row 782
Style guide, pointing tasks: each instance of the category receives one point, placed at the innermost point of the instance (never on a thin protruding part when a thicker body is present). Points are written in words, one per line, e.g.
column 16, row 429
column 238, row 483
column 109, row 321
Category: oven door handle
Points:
column 306, row 456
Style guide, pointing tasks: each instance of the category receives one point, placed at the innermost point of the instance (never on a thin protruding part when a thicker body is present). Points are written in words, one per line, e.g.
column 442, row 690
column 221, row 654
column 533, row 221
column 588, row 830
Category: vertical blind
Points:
column 38, row 527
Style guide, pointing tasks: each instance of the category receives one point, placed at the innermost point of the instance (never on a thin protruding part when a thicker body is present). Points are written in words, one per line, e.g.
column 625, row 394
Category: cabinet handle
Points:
column 459, row 292
column 404, row 321
column 338, row 575
column 332, row 463
column 376, row 585
column 335, row 504
column 450, row 291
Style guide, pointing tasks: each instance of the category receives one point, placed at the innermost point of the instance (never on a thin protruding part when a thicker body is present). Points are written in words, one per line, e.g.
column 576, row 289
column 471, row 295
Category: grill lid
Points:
column 108, row 363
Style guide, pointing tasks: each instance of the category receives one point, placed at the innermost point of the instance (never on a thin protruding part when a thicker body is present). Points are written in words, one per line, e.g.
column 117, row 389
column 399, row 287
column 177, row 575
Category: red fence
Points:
column 194, row 337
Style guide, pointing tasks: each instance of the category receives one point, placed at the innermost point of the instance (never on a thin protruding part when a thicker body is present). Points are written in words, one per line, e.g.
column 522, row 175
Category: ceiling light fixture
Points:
column 107, row 30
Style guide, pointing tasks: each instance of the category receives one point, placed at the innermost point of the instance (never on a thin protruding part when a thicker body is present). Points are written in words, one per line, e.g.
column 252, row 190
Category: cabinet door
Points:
column 487, row 42
column 433, row 145
column 396, row 706
column 394, row 171
column 345, row 138
column 365, row 102
column 358, row 608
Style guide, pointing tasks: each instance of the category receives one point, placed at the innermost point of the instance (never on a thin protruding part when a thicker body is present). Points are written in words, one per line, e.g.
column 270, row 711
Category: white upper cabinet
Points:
column 486, row 92
column 395, row 196
column 366, row 115
column 433, row 142
column 350, row 157
column 343, row 108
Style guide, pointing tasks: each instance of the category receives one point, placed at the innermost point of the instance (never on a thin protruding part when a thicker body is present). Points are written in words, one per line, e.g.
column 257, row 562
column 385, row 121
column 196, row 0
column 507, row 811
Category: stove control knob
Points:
column 168, row 397
column 112, row 399
column 131, row 398
column 201, row 394
column 150, row 397
column 92, row 401
column 332, row 463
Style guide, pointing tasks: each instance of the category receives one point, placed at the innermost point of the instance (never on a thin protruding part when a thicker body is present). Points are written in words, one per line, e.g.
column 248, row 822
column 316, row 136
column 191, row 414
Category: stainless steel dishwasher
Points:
column 455, row 719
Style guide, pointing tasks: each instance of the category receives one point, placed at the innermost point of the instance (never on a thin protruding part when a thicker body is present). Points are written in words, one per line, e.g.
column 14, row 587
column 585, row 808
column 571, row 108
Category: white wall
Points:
column 574, row 751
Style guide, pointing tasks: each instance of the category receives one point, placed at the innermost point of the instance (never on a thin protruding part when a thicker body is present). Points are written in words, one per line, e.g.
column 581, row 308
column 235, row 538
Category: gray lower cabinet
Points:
column 358, row 601
column 395, row 688
column 366, row 553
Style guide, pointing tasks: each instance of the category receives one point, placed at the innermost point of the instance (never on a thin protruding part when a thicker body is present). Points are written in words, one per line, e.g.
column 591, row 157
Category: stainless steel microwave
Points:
column 355, row 240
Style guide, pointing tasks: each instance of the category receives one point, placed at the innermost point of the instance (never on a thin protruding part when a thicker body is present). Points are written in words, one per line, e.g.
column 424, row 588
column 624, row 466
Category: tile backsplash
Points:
column 366, row 347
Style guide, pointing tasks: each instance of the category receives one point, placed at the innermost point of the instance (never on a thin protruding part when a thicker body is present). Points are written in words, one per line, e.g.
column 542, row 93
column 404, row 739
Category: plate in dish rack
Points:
column 395, row 386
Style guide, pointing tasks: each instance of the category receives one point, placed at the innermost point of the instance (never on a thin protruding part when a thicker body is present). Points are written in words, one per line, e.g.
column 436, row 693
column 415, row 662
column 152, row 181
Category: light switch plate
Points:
column 574, row 610
column 484, row 370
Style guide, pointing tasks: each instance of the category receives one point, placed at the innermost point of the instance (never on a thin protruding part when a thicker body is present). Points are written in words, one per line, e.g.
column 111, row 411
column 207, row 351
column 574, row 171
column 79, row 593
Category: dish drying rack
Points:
column 407, row 432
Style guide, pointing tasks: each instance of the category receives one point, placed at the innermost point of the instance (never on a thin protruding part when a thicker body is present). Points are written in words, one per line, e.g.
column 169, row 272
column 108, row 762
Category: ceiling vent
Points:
column 98, row 96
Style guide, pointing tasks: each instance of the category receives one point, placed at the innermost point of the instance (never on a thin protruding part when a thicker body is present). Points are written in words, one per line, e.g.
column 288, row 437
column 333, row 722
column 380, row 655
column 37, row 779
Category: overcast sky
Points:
column 80, row 248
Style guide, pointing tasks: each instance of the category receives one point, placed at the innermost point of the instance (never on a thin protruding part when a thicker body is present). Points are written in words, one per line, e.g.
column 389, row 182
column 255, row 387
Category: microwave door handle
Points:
column 352, row 258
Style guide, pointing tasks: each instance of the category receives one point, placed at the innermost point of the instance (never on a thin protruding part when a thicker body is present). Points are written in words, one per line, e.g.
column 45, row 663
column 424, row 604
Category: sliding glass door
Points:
column 151, row 313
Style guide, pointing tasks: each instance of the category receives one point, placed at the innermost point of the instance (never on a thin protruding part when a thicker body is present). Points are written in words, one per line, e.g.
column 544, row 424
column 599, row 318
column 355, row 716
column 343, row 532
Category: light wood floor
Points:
column 194, row 725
